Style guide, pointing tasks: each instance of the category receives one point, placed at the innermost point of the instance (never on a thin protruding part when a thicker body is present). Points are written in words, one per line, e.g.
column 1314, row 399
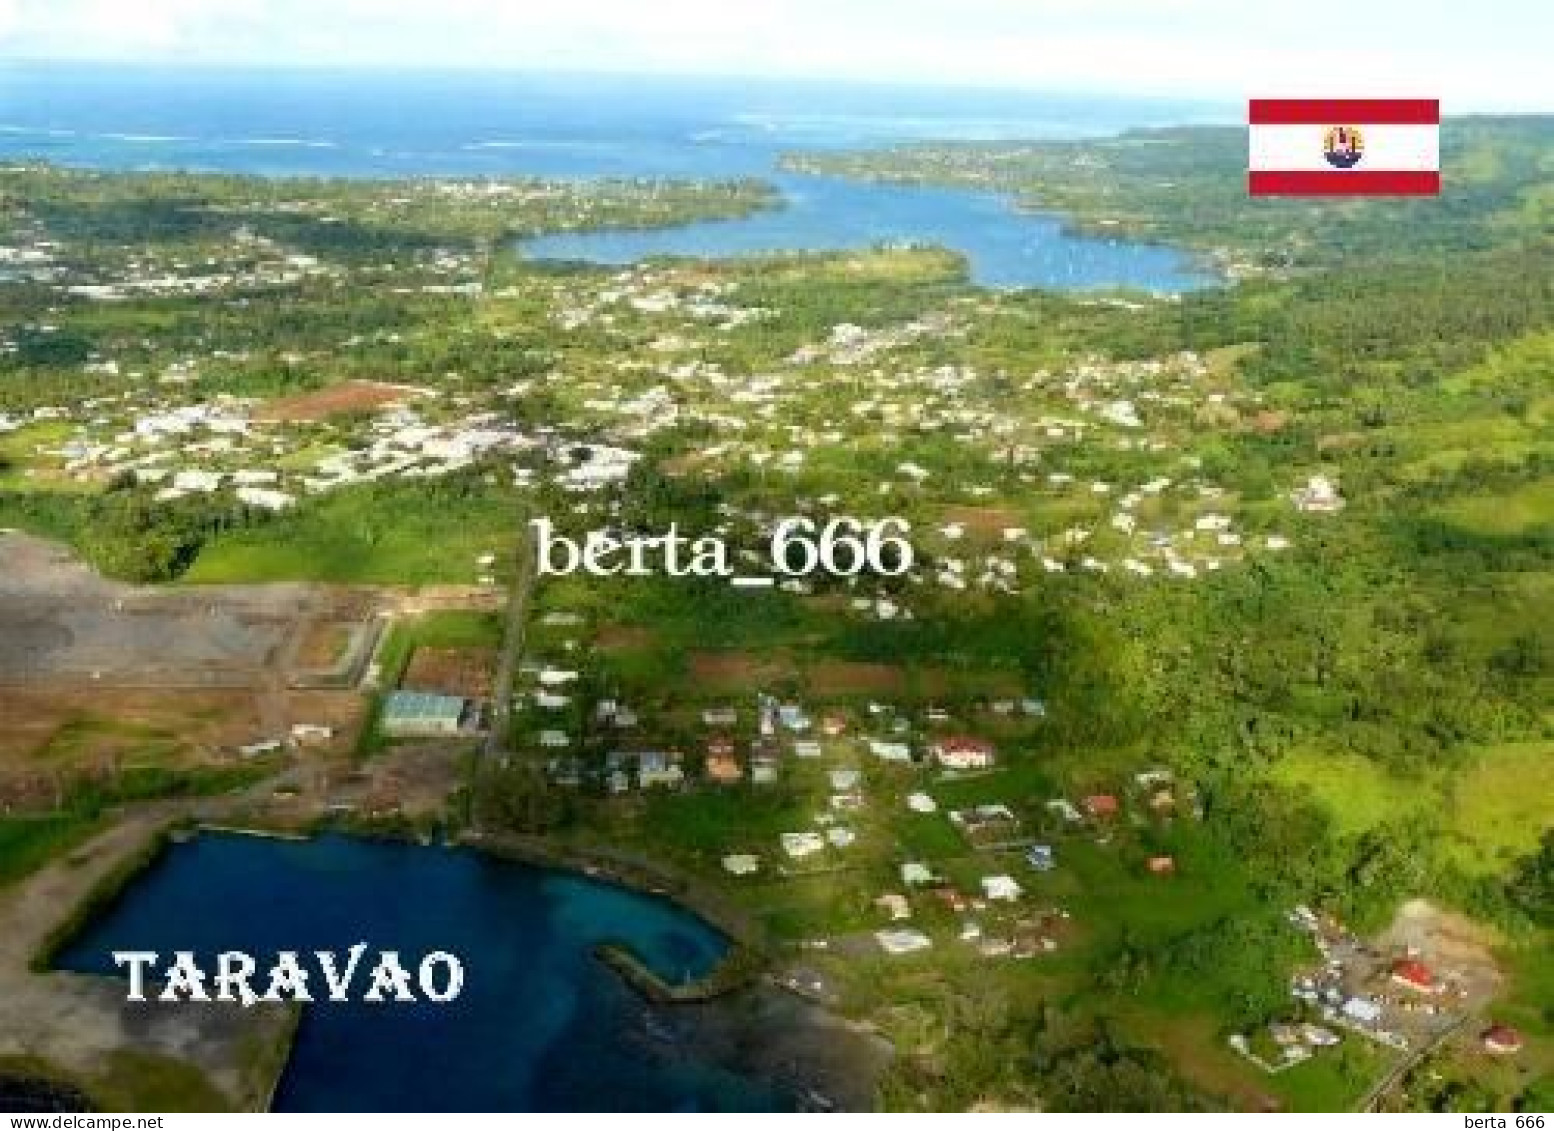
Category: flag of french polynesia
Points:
column 1344, row 147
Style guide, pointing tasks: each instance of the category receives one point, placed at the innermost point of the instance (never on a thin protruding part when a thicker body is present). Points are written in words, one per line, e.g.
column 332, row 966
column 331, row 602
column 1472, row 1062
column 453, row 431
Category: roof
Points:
column 1099, row 803
column 1501, row 1038
column 1414, row 972
column 422, row 706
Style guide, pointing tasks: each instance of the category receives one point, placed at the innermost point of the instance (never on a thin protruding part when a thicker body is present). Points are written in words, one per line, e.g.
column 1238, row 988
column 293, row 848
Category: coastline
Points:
column 737, row 1015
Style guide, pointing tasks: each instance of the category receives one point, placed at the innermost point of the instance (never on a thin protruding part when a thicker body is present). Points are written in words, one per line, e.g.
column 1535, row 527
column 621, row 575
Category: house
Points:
column 793, row 717
column 741, row 864
column 902, row 941
column 1414, row 975
column 895, row 905
column 806, row 748
column 720, row 716
column 1363, row 1010
column 844, row 779
column 554, row 739
column 1101, row 806
column 1319, row 1036
column 304, row 734
column 833, row 725
column 800, row 845
column 890, row 751
column 655, row 768
column 1065, row 809
column 1161, row 865
column 421, row 714
column 722, row 765
column 1501, row 1040
column 1319, row 496
column 1040, row 857
column 1001, row 888
column 960, row 752
column 922, row 803
column 914, row 874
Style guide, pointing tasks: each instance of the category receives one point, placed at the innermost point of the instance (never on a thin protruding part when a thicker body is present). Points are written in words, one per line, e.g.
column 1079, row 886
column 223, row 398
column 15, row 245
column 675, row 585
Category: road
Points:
column 512, row 647
column 1410, row 1061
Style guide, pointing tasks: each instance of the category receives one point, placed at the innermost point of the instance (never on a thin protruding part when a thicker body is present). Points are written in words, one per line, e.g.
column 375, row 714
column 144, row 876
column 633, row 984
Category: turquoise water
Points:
column 541, row 1024
column 380, row 123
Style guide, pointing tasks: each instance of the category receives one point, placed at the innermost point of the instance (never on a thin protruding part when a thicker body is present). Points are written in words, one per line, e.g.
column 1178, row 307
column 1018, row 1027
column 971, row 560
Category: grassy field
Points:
column 389, row 538
column 1356, row 792
column 1527, row 508
column 1499, row 807
column 27, row 843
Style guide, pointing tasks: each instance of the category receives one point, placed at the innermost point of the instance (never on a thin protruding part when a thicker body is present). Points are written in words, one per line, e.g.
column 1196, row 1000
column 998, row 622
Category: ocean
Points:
column 539, row 1024
column 423, row 124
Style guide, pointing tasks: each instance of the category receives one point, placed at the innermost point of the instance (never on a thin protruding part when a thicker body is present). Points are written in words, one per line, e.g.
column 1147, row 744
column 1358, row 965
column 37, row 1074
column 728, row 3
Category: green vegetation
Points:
column 27, row 843
column 1124, row 561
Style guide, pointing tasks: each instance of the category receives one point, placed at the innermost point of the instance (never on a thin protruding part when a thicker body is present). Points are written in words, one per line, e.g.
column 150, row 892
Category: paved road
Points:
column 512, row 646
column 1410, row 1061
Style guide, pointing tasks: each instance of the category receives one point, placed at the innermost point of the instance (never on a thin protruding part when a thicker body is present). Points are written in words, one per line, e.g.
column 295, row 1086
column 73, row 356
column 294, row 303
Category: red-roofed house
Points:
column 962, row 753
column 1414, row 975
column 722, row 764
column 1101, row 805
column 1501, row 1040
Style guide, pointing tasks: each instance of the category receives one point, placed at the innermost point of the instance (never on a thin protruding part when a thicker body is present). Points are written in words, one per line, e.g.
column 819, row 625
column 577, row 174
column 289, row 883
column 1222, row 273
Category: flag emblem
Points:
column 1343, row 147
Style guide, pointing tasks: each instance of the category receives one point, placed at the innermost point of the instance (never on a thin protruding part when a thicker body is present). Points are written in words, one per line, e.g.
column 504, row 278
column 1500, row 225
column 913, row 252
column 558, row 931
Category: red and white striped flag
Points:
column 1344, row 147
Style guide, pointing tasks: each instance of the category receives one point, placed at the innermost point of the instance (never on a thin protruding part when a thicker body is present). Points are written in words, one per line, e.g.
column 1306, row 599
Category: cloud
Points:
column 1484, row 54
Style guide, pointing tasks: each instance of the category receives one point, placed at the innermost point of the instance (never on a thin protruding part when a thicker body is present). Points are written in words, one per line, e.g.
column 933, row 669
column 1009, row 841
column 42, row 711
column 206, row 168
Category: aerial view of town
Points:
column 784, row 614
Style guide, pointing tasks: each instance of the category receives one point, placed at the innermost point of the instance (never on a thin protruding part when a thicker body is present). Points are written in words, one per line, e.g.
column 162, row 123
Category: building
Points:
column 741, row 864
column 722, row 764
column 1101, row 806
column 901, row 941
column 963, row 753
column 422, row 714
column 1041, row 858
column 1001, row 888
column 1501, row 1040
column 1363, row 1010
column 655, row 768
column 1319, row 496
column 1161, row 865
column 1414, row 975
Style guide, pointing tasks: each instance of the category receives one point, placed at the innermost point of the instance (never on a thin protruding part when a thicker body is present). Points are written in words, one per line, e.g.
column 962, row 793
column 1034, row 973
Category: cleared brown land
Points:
column 738, row 671
column 989, row 522
column 68, row 728
column 839, row 677
column 341, row 711
column 323, row 645
column 623, row 638
column 347, row 397
column 465, row 672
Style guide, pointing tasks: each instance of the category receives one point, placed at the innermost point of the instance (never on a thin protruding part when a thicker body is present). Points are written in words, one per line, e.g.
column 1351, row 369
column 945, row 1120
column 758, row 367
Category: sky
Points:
column 1484, row 55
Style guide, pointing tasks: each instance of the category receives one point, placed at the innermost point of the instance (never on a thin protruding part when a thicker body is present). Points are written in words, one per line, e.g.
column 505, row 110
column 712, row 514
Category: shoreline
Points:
column 718, row 1014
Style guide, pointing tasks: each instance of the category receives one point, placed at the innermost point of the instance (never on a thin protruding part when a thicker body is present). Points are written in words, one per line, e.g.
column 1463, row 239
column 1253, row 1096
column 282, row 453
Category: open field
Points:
column 1499, row 808
column 465, row 672
column 346, row 398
